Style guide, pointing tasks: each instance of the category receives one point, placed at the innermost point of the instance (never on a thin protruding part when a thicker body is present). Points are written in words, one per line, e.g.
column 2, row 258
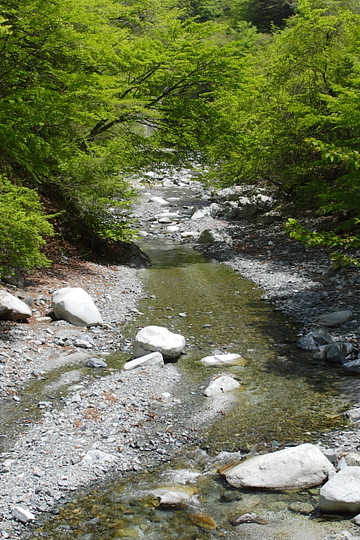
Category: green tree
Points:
column 90, row 91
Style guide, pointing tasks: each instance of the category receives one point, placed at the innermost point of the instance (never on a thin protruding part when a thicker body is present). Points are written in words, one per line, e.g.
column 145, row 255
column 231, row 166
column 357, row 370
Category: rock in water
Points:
column 158, row 339
column 249, row 517
column 342, row 492
column 220, row 385
column 299, row 467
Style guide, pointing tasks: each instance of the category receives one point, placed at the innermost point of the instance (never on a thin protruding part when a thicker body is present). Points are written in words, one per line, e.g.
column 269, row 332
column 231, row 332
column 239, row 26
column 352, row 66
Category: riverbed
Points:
column 285, row 397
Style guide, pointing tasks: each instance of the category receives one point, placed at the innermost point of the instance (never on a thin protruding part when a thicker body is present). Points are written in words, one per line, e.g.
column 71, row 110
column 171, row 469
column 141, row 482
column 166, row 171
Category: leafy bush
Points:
column 23, row 226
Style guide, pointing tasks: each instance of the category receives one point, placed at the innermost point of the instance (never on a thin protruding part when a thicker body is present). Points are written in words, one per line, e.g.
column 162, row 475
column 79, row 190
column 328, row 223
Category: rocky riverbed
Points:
column 89, row 422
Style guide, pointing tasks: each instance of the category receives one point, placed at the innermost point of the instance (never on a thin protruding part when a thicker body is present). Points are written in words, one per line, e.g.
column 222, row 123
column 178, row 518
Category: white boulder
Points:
column 147, row 360
column 158, row 339
column 342, row 492
column 12, row 308
column 220, row 359
column 75, row 306
column 299, row 467
column 220, row 385
column 159, row 200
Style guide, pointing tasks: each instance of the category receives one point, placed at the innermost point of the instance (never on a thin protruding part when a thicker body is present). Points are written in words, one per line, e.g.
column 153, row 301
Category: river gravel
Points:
column 127, row 421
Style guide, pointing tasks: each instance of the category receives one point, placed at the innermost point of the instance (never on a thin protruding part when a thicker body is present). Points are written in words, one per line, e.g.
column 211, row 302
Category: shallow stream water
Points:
column 284, row 397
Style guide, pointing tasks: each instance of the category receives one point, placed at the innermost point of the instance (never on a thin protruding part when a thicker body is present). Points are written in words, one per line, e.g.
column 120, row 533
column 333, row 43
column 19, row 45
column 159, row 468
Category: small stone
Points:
column 301, row 508
column 22, row 514
column 96, row 363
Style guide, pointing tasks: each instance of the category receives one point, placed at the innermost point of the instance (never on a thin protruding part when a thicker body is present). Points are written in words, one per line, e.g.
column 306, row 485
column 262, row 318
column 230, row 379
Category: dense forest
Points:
column 92, row 91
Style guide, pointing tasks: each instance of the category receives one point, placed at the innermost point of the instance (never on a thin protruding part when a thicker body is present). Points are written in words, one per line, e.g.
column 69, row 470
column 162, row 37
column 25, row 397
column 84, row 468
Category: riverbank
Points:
column 126, row 419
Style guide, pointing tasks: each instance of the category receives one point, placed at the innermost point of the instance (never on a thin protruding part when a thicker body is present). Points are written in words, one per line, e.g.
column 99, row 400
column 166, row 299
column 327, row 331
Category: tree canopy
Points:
column 92, row 90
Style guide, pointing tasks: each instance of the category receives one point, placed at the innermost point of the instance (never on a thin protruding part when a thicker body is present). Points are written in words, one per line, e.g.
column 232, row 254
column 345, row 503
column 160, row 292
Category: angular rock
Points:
column 209, row 236
column 220, row 385
column 335, row 318
column 158, row 339
column 75, row 306
column 353, row 366
column 336, row 352
column 96, row 363
column 342, row 492
column 299, row 467
column 147, row 360
column 12, row 308
column 199, row 213
column 22, row 514
column 314, row 339
column 220, row 359
column 307, row 343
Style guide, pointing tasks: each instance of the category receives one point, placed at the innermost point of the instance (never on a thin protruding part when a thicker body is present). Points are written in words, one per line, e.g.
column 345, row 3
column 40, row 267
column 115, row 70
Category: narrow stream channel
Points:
column 284, row 397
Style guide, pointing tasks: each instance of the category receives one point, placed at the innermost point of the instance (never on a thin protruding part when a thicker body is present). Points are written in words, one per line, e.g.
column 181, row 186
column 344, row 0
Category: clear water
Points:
column 284, row 396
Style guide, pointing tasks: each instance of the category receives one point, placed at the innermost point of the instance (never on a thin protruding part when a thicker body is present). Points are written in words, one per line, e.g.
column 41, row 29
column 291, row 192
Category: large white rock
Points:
column 299, row 467
column 342, row 492
column 220, row 359
column 12, row 308
column 147, row 360
column 75, row 306
column 160, row 339
column 220, row 385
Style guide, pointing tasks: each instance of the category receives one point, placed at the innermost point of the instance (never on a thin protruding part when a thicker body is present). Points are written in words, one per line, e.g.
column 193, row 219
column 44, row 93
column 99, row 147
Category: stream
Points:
column 284, row 398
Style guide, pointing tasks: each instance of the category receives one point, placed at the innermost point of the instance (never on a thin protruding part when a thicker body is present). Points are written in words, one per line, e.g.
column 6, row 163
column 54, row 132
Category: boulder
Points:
column 75, row 306
column 158, row 339
column 299, row 467
column 353, row 459
column 209, row 236
column 174, row 495
column 315, row 339
column 268, row 218
column 353, row 414
column 159, row 200
column 220, row 359
column 342, row 492
column 12, row 308
column 147, row 360
column 199, row 213
column 353, row 366
column 220, row 385
column 336, row 352
column 335, row 318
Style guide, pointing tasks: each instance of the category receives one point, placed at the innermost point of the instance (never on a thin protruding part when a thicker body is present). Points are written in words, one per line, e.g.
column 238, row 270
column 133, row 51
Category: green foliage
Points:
column 91, row 90
column 23, row 226
column 326, row 239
